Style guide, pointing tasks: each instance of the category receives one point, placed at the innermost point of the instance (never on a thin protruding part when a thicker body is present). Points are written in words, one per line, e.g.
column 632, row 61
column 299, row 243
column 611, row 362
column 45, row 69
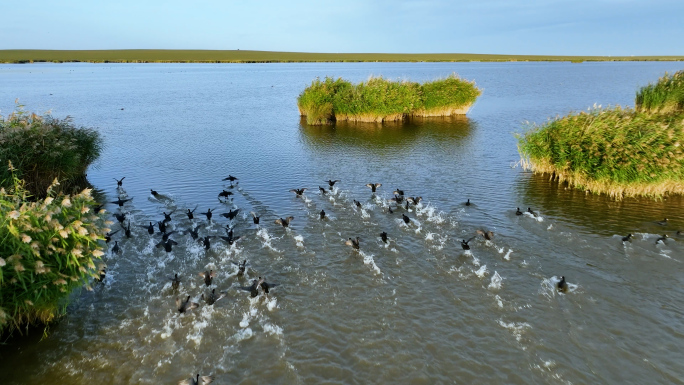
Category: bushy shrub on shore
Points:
column 379, row 99
column 43, row 148
column 618, row 151
column 48, row 247
column 666, row 95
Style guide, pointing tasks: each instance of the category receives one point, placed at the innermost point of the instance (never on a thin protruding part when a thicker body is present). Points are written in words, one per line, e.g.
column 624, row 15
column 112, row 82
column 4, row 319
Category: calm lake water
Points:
column 419, row 310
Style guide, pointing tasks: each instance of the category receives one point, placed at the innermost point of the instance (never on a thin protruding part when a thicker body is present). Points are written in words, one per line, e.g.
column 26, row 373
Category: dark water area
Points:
column 418, row 310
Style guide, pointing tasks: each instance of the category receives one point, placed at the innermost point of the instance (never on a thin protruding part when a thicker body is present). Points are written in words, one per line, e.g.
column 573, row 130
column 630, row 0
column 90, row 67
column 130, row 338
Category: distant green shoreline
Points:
column 239, row 56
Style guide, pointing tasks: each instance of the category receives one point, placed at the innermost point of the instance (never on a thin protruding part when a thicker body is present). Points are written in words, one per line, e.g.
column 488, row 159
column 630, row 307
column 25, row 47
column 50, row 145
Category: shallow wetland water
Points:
column 419, row 310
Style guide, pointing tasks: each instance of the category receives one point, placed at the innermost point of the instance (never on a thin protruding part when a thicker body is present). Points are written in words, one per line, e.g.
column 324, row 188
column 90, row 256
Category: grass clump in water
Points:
column 667, row 95
column 43, row 148
column 379, row 99
column 618, row 151
column 48, row 247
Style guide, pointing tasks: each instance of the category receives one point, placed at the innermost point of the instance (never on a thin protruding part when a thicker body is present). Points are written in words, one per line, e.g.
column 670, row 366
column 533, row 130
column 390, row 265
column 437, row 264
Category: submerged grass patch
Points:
column 379, row 99
column 43, row 148
column 666, row 95
column 48, row 247
column 617, row 151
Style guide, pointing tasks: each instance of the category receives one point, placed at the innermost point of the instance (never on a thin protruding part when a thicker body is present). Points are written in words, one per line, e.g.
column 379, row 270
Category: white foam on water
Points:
column 495, row 283
column 368, row 260
column 267, row 238
column 481, row 272
column 394, row 250
column 537, row 218
column 517, row 328
column 500, row 250
column 507, row 257
column 499, row 301
column 271, row 303
column 299, row 240
column 475, row 260
column 430, row 236
column 550, row 227
column 242, row 335
column 272, row 329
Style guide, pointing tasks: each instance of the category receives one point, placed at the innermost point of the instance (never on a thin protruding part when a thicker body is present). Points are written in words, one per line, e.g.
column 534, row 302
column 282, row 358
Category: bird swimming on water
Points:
column 208, row 276
column 663, row 222
column 298, row 191
column 127, row 230
column 464, row 243
column 167, row 217
column 406, row 219
column 191, row 214
column 212, row 298
column 255, row 218
column 661, row 239
column 331, row 183
column 357, row 203
column 175, row 281
column 355, row 243
column 241, row 267
column 284, row 222
column 119, row 182
column 518, row 212
column 322, row 214
column 154, row 193
column 529, row 210
column 225, row 194
column 208, row 214
column 196, row 380
column 185, row 306
column 231, row 214
column 322, row 190
column 230, row 178
column 562, row 285
column 256, row 284
column 116, row 248
column 627, row 238
column 488, row 235
column 120, row 217
column 468, row 202
column 383, row 236
column 373, row 186
column 150, row 228
column 167, row 245
column 121, row 202
column 108, row 236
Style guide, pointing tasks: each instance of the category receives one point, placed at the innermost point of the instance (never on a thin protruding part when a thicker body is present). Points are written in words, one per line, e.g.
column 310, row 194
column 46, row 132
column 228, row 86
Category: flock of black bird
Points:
column 399, row 200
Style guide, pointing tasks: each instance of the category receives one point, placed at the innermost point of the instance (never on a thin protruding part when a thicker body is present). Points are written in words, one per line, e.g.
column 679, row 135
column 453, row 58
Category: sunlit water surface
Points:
column 418, row 310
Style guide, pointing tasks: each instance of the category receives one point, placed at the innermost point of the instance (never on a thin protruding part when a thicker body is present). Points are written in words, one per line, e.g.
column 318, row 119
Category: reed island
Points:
column 50, row 241
column 381, row 100
column 621, row 152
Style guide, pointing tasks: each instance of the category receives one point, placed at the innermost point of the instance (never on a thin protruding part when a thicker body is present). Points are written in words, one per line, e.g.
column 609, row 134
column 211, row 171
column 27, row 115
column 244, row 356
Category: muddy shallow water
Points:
column 418, row 310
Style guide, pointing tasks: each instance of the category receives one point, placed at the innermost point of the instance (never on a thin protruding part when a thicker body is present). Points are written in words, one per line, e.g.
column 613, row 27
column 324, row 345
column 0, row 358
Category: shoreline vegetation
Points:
column 21, row 56
column 621, row 152
column 380, row 100
column 49, row 241
column 42, row 149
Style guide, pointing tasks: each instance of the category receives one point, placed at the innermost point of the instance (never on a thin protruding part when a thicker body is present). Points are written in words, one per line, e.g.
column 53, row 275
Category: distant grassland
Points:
column 239, row 56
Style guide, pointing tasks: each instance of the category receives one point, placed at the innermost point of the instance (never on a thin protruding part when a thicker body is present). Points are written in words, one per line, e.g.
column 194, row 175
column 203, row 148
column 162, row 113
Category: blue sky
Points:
column 555, row 27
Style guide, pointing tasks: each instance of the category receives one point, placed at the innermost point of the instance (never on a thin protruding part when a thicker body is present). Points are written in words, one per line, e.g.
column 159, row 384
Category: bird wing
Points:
column 171, row 241
column 186, row 382
column 178, row 303
column 279, row 221
column 192, row 305
column 288, row 219
column 469, row 239
column 349, row 242
column 480, row 232
column 207, row 379
column 212, row 274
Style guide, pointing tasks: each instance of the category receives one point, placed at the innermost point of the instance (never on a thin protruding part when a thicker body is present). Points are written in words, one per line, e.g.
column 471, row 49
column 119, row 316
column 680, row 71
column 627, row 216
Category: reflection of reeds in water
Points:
column 618, row 151
column 598, row 214
column 381, row 100
column 389, row 134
